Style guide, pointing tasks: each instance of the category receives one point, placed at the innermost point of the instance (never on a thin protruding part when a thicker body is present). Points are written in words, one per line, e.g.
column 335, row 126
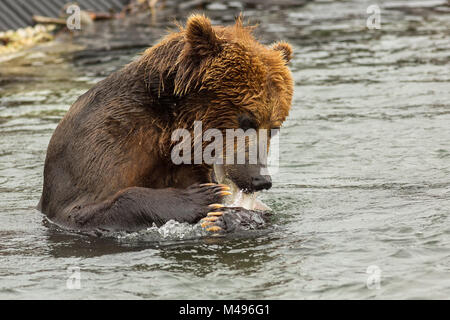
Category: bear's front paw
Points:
column 232, row 219
column 205, row 199
column 213, row 222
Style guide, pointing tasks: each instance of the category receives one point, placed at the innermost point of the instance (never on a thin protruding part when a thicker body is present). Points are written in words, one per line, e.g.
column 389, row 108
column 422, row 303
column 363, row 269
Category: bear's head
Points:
column 225, row 78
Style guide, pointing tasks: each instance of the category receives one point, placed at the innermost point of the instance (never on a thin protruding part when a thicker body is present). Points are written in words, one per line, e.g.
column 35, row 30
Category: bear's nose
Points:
column 261, row 182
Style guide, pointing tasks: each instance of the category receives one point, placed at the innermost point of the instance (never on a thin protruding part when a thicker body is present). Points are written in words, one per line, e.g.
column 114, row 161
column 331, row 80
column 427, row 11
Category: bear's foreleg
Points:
column 138, row 208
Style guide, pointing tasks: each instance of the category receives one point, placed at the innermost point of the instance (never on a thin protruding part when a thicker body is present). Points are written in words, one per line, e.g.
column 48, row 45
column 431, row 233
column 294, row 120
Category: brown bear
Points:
column 108, row 163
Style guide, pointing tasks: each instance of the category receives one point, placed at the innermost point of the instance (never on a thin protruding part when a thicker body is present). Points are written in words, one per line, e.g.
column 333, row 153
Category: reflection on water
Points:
column 364, row 177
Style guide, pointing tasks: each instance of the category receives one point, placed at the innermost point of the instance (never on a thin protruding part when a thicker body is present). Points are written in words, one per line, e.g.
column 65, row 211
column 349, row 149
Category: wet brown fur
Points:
column 118, row 134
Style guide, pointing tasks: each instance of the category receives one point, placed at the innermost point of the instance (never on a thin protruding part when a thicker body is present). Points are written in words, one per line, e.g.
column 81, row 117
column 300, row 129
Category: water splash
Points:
column 172, row 230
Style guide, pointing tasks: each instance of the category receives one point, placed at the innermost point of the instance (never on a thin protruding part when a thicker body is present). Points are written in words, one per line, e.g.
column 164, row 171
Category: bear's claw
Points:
column 212, row 184
column 224, row 193
column 216, row 206
column 209, row 184
column 209, row 219
column 214, row 214
column 206, row 224
column 214, row 229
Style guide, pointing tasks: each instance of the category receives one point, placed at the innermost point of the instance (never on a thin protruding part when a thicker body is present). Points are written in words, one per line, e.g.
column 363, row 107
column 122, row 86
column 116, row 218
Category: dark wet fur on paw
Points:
column 235, row 219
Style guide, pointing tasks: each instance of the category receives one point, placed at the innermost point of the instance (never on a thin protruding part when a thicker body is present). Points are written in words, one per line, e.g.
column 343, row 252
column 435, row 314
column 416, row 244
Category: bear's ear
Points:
column 201, row 36
column 285, row 49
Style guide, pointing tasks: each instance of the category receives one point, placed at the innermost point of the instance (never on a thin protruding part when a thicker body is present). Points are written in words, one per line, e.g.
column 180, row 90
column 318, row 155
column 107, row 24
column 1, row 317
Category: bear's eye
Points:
column 246, row 122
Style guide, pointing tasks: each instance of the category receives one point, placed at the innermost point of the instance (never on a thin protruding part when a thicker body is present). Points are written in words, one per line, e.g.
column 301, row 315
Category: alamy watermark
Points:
column 239, row 147
column 374, row 277
column 73, row 21
column 74, row 279
column 374, row 20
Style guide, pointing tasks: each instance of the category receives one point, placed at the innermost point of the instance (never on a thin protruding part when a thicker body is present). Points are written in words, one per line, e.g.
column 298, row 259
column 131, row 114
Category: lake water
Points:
column 361, row 199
